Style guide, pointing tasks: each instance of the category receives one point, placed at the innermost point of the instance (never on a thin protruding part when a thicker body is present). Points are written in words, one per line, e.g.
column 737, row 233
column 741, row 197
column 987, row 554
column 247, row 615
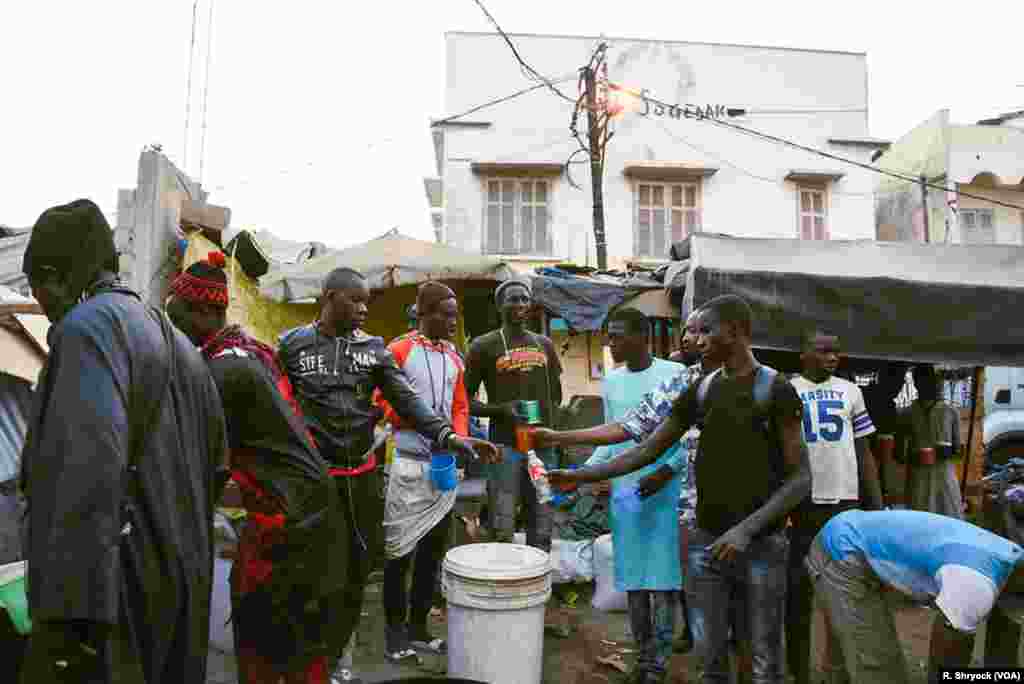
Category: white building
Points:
column 984, row 160
column 503, row 169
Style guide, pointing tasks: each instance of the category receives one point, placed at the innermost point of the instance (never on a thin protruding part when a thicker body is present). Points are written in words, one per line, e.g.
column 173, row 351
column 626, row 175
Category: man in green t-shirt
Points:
column 514, row 364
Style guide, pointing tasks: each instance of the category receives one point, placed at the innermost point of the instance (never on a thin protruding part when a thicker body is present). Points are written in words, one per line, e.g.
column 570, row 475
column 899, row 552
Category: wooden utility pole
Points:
column 597, row 142
column 924, row 205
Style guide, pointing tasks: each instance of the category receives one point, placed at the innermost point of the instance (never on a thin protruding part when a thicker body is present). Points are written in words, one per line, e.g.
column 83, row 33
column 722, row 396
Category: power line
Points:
column 531, row 72
column 188, row 90
column 766, row 179
column 844, row 160
column 498, row 101
column 206, row 91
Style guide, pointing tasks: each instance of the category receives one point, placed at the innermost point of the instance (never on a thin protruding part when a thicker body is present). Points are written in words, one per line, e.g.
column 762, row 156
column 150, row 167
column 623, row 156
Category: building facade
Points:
column 507, row 190
column 985, row 159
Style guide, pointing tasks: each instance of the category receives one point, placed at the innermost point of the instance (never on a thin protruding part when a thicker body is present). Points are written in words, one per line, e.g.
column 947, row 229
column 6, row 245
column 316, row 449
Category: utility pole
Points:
column 924, row 205
column 596, row 135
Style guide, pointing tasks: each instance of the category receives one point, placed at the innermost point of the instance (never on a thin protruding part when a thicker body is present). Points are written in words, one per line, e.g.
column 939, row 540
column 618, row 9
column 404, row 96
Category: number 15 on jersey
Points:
column 823, row 420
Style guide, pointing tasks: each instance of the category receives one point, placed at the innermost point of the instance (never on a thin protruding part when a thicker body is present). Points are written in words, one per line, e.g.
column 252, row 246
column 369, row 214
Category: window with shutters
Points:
column 517, row 217
column 813, row 213
column 977, row 226
column 666, row 213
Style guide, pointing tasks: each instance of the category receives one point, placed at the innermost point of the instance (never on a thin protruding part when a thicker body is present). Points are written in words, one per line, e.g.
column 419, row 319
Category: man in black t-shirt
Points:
column 751, row 472
column 514, row 364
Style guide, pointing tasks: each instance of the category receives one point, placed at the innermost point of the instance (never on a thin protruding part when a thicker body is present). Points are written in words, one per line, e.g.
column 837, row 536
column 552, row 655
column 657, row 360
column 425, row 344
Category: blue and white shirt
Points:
column 651, row 412
column 834, row 416
column 931, row 558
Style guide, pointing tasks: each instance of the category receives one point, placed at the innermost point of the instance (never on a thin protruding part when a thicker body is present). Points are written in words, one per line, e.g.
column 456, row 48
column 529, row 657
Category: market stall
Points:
column 892, row 302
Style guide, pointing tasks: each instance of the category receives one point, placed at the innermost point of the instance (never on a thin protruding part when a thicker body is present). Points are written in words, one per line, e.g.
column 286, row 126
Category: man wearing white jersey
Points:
column 836, row 431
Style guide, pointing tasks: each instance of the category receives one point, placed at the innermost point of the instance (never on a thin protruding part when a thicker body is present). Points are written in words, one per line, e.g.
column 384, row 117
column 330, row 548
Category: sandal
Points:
column 396, row 645
column 425, row 642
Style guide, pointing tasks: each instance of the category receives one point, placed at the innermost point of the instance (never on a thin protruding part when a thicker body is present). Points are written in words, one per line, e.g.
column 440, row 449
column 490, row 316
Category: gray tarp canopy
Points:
column 896, row 301
column 391, row 260
column 585, row 302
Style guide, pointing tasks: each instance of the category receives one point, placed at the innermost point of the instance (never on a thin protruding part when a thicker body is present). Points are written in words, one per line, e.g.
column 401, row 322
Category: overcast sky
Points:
column 317, row 123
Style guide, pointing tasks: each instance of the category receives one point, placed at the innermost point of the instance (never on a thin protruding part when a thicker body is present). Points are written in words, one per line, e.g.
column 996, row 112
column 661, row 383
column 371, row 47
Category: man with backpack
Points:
column 752, row 470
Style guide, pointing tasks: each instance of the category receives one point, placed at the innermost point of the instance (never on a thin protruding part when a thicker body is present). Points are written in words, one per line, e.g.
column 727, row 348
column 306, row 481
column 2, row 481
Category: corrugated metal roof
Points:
column 12, row 249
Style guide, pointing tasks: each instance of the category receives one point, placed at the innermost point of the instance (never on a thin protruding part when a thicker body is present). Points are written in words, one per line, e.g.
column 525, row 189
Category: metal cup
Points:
column 529, row 411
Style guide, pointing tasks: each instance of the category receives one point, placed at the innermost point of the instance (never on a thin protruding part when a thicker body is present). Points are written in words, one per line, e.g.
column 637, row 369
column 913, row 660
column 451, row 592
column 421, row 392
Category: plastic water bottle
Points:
column 538, row 476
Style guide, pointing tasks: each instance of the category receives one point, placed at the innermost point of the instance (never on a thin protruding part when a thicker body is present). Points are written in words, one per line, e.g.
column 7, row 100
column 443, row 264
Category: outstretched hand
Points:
column 563, row 479
column 544, row 437
column 471, row 448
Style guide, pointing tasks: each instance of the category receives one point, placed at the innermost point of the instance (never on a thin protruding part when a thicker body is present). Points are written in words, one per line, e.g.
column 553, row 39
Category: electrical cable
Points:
column 766, row 179
column 188, row 89
column 206, row 91
column 828, row 155
column 532, row 73
column 498, row 101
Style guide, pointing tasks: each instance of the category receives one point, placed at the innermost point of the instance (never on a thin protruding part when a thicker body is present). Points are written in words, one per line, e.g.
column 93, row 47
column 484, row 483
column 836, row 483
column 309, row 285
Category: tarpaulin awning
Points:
column 391, row 260
column 585, row 302
column 898, row 301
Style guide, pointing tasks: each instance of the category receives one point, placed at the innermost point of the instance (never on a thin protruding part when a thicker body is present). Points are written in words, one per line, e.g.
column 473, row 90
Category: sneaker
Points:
column 343, row 675
column 396, row 645
column 422, row 639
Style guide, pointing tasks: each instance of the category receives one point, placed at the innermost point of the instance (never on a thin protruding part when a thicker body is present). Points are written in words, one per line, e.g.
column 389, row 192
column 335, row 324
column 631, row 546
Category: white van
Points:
column 1003, row 428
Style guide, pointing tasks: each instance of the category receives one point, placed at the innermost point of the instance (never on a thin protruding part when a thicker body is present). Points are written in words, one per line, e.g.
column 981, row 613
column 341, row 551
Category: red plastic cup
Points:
column 926, row 456
column 886, row 447
column 524, row 438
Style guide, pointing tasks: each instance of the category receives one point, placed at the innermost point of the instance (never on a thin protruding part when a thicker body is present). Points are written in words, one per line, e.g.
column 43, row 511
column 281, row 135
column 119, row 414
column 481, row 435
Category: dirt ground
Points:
column 592, row 635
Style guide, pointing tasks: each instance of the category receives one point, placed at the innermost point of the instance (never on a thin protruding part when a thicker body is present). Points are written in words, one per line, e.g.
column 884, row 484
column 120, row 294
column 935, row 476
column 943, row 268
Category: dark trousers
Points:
column 759, row 575
column 807, row 522
column 107, row 657
column 429, row 553
column 363, row 513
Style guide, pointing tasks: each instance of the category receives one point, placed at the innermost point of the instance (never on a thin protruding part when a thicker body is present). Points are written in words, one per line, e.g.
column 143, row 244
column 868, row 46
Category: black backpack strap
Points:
column 763, row 387
column 702, row 394
column 144, row 407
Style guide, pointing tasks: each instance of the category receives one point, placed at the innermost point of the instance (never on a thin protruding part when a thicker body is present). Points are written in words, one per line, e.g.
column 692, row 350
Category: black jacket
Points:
column 334, row 379
column 151, row 573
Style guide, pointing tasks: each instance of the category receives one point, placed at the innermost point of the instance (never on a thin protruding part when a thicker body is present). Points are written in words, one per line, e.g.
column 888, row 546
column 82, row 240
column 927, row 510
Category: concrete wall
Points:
column 899, row 206
column 994, row 150
column 534, row 128
column 148, row 223
column 1009, row 223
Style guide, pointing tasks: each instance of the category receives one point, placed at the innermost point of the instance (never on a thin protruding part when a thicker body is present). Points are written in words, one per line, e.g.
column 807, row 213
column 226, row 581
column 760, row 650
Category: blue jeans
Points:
column 760, row 575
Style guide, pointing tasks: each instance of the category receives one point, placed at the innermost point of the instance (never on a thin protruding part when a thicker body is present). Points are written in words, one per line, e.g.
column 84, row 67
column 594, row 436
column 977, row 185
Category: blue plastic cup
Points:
column 627, row 500
column 442, row 472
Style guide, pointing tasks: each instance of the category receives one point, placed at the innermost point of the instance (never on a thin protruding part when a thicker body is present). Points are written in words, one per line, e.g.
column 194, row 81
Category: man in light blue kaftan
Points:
column 645, row 522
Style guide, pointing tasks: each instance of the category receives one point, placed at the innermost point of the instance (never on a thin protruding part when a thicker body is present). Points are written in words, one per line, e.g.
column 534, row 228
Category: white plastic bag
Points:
column 606, row 598
column 572, row 561
column 221, row 634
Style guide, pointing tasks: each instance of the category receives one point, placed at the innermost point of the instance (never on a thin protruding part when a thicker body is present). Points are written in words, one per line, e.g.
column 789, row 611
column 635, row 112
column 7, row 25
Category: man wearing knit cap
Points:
column 283, row 573
column 514, row 365
column 417, row 515
column 335, row 367
column 120, row 469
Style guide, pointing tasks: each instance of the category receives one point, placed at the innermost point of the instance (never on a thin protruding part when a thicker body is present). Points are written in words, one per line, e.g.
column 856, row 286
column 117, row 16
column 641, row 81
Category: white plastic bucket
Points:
column 496, row 597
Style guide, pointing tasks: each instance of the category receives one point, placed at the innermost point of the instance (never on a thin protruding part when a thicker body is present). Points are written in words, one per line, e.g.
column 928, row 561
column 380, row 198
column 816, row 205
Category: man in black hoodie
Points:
column 334, row 368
